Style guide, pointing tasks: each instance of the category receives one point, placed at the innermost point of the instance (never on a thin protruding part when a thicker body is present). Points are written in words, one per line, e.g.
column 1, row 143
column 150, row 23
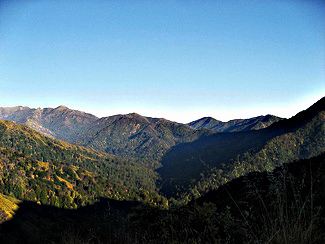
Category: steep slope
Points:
column 128, row 172
column 138, row 136
column 60, row 123
column 255, row 123
column 211, row 161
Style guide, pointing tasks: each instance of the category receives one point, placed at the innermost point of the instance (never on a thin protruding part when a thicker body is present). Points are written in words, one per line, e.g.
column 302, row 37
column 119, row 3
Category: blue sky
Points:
column 181, row 60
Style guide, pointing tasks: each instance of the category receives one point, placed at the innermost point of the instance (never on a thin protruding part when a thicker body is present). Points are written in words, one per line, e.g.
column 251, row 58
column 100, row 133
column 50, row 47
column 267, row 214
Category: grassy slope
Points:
column 8, row 206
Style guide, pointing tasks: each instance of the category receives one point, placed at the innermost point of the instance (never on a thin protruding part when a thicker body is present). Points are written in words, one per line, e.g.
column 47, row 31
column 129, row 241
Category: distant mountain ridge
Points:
column 133, row 135
column 127, row 135
column 59, row 123
column 235, row 125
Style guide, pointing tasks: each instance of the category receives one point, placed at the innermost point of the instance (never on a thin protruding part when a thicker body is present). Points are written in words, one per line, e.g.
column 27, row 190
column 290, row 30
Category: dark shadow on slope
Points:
column 282, row 206
column 102, row 222
column 306, row 175
column 185, row 162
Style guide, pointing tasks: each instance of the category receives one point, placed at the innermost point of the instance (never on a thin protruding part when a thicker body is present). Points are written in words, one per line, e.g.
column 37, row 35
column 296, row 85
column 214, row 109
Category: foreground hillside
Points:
column 101, row 222
column 283, row 206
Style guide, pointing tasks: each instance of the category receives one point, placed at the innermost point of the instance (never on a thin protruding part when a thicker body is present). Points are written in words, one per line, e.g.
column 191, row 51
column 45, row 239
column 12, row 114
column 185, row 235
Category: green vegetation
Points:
column 282, row 206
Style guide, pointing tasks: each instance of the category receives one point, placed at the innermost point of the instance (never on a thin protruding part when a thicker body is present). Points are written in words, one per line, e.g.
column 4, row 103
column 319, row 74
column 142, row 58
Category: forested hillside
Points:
column 186, row 162
column 133, row 174
column 53, row 183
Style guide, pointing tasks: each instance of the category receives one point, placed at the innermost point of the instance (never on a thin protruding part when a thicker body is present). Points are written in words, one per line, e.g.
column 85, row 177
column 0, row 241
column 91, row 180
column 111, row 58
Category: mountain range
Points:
column 235, row 125
column 59, row 123
column 68, row 158
column 130, row 135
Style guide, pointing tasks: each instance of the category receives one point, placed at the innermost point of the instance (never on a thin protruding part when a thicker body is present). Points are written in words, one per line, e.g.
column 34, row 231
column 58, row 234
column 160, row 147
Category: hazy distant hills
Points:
column 255, row 123
column 130, row 135
column 60, row 123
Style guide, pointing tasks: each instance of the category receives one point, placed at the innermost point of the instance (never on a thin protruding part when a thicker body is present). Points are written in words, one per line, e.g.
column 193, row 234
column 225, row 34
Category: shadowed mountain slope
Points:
column 213, row 160
column 102, row 222
column 282, row 206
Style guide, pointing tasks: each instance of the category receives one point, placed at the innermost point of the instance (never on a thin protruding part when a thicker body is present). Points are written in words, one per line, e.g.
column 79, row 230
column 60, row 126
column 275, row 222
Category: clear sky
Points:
column 181, row 60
